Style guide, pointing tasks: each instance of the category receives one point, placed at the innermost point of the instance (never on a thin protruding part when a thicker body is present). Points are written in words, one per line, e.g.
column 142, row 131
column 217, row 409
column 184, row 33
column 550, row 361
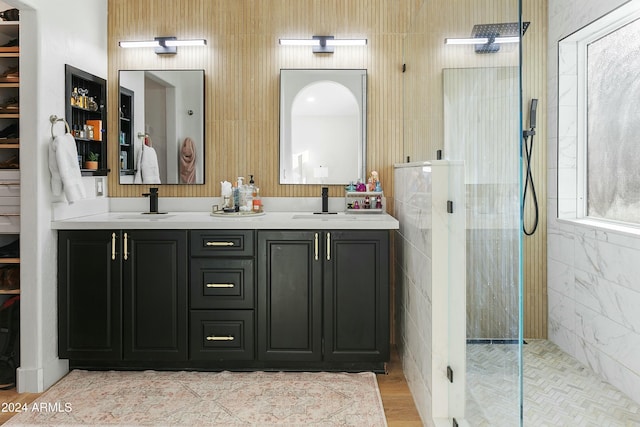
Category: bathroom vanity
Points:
column 282, row 291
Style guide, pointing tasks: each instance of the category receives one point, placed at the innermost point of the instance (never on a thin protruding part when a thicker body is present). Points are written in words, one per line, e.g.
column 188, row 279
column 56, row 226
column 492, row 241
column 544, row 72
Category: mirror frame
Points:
column 136, row 136
column 306, row 77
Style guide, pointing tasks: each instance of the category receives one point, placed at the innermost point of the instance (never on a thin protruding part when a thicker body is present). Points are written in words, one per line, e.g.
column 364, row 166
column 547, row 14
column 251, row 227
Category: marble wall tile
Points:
column 567, row 184
column 562, row 337
column 567, row 122
column 567, row 90
column 609, row 299
column 608, row 337
column 610, row 369
column 567, row 208
column 562, row 310
column 567, row 153
column 566, row 65
column 609, row 261
column 619, row 239
column 560, row 246
column 561, row 278
column 414, row 239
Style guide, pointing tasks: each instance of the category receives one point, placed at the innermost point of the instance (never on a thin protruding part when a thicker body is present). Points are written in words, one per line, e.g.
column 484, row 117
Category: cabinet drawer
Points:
column 222, row 283
column 222, row 243
column 221, row 335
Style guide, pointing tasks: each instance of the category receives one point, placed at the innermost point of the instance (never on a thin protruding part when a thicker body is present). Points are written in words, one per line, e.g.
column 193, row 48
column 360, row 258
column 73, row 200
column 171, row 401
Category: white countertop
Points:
column 204, row 220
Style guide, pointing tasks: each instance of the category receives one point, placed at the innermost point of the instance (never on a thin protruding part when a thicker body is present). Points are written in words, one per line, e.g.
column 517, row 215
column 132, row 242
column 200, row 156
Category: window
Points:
column 613, row 125
column 599, row 119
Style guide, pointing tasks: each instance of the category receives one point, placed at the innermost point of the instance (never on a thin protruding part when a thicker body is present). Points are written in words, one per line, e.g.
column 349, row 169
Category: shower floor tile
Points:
column 558, row 390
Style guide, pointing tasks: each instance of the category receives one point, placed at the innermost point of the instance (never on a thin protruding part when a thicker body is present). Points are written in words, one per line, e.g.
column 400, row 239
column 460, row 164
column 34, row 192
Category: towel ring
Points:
column 54, row 119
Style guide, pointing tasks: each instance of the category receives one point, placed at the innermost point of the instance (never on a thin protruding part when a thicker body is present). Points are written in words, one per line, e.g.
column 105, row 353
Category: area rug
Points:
column 155, row 398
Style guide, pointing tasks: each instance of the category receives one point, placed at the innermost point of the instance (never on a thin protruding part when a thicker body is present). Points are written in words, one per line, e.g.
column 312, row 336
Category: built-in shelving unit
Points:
column 86, row 114
column 9, row 158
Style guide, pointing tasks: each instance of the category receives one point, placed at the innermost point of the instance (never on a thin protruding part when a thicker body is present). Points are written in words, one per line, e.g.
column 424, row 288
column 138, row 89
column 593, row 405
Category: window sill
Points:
column 603, row 225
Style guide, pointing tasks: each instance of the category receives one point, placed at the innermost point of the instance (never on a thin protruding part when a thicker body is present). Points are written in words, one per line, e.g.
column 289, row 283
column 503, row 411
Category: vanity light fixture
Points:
column 164, row 45
column 323, row 44
column 487, row 38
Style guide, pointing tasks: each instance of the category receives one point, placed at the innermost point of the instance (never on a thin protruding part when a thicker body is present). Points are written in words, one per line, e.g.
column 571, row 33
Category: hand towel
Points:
column 65, row 171
column 147, row 171
column 188, row 162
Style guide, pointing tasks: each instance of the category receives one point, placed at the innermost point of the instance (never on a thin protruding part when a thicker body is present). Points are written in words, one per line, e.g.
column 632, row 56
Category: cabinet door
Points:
column 289, row 296
column 89, row 293
column 356, row 296
column 154, row 299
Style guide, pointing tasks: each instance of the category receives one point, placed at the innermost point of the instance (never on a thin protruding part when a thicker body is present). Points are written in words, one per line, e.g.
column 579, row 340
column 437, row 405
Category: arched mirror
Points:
column 322, row 126
column 161, row 127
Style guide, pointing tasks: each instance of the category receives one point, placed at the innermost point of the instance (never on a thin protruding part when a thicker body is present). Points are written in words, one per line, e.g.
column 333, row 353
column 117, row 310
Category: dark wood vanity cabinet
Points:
column 356, row 296
column 224, row 299
column 89, row 295
column 122, row 295
column 154, row 297
column 323, row 295
column 289, row 296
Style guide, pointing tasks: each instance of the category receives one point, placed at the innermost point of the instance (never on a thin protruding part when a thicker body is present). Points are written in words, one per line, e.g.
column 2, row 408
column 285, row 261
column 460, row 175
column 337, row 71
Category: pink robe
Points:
column 188, row 162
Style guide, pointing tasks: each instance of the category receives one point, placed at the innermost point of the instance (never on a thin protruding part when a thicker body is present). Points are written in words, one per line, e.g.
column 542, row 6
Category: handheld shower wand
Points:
column 527, row 140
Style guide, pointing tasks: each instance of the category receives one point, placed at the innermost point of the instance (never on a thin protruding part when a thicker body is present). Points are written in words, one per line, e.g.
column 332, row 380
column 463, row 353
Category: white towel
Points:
column 65, row 171
column 147, row 171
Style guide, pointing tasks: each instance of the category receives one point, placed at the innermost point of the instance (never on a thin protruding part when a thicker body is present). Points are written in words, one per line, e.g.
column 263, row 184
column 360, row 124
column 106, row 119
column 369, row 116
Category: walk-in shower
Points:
column 466, row 100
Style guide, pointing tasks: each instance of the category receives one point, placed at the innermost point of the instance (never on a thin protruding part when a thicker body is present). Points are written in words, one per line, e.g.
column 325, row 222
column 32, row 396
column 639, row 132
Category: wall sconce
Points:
column 163, row 45
column 487, row 38
column 323, row 44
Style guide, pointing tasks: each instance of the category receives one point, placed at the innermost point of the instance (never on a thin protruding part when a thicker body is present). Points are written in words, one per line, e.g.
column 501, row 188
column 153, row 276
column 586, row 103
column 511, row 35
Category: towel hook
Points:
column 54, row 119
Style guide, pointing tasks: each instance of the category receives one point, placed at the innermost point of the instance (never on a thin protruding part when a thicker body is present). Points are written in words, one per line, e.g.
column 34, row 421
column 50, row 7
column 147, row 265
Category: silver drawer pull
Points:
column 220, row 285
column 220, row 338
column 219, row 243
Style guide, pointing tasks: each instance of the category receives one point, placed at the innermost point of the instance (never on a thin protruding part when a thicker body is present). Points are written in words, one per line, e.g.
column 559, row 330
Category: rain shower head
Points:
column 493, row 31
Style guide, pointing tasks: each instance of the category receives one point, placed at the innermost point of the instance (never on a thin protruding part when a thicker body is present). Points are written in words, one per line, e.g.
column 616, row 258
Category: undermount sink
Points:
column 145, row 216
column 325, row 217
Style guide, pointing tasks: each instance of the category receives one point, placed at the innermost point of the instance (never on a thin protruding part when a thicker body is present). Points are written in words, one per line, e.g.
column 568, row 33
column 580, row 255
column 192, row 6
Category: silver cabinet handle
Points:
column 126, row 251
column 220, row 338
column 219, row 243
column 113, row 246
column 328, row 246
column 316, row 246
column 220, row 285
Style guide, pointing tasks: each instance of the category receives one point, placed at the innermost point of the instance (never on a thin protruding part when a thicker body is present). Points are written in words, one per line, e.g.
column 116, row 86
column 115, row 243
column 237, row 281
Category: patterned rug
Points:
column 208, row 399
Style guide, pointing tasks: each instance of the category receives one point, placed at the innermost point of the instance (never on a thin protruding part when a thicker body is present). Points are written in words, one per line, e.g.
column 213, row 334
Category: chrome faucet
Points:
column 153, row 199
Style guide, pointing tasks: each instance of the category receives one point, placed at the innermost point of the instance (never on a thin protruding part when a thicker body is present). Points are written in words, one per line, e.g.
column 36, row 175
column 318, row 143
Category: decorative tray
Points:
column 236, row 214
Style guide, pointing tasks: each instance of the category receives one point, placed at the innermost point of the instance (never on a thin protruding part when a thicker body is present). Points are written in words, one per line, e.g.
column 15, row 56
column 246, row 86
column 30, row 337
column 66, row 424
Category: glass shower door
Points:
column 482, row 128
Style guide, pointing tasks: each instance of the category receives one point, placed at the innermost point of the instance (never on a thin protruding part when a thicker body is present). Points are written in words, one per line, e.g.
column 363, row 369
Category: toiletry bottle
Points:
column 248, row 196
column 236, row 194
column 255, row 197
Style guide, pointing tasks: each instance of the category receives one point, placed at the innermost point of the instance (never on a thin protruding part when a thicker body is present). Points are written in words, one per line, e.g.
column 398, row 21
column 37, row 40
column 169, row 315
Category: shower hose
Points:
column 527, row 141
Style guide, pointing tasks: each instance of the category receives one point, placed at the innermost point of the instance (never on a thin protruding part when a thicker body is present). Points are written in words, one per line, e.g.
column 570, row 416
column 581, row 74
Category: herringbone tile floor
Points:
column 558, row 390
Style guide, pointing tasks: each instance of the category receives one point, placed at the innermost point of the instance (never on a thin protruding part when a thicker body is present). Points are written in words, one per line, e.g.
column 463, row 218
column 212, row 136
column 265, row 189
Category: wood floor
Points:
column 396, row 397
column 397, row 400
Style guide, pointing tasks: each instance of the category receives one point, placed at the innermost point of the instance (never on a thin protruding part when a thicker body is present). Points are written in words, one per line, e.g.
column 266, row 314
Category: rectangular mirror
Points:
column 323, row 126
column 161, row 127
